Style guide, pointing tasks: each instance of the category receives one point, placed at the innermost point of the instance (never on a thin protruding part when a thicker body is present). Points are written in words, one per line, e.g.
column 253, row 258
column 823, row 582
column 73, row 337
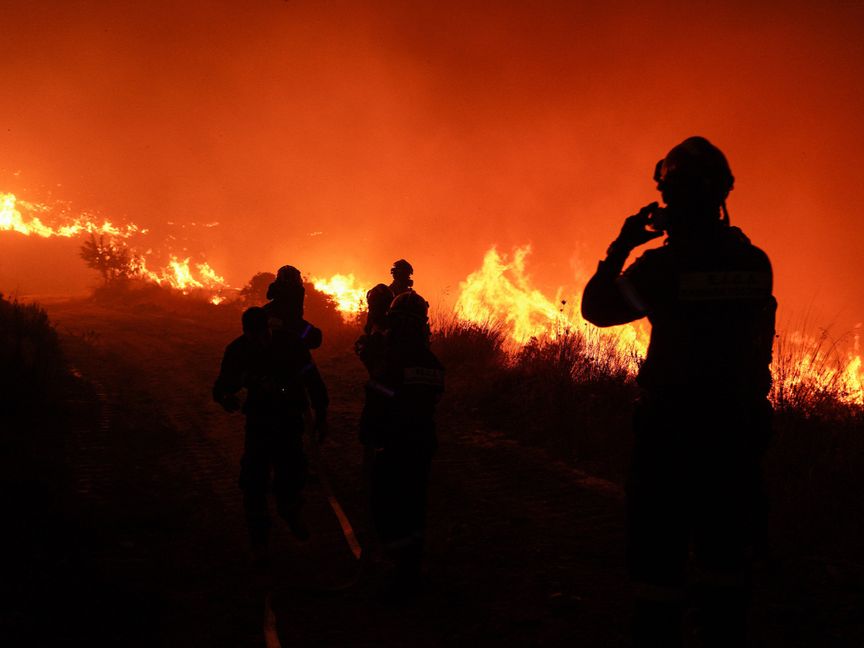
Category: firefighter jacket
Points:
column 405, row 384
column 710, row 304
column 279, row 376
column 286, row 317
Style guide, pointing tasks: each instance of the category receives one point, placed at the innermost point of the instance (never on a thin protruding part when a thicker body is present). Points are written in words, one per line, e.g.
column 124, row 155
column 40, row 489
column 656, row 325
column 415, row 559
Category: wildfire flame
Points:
column 500, row 291
column 350, row 299
column 178, row 275
column 806, row 367
column 11, row 220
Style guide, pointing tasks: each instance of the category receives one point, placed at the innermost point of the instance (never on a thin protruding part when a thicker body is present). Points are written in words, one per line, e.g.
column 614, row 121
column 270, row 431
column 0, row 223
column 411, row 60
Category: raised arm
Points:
column 605, row 301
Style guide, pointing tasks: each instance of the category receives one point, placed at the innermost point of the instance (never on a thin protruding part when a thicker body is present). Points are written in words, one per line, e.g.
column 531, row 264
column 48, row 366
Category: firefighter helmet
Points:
column 288, row 285
column 401, row 266
column 694, row 171
column 290, row 275
column 378, row 299
column 409, row 306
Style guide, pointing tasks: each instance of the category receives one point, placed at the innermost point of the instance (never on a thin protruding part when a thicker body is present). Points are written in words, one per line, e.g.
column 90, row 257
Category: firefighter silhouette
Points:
column 702, row 421
column 285, row 308
column 280, row 379
column 398, row 429
column 402, row 281
column 370, row 348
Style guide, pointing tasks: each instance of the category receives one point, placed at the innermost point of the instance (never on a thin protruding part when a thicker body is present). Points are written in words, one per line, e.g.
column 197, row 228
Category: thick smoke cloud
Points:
column 433, row 130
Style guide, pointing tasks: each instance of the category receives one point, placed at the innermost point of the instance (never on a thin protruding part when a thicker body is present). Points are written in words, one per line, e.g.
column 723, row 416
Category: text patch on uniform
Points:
column 423, row 376
column 707, row 286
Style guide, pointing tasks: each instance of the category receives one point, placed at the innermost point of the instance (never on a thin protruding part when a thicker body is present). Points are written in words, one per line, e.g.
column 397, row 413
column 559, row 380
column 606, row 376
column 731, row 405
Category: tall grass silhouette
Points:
column 572, row 394
column 31, row 361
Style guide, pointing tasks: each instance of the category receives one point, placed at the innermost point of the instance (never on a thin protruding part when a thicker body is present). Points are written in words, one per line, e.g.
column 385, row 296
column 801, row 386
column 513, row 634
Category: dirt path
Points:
column 521, row 550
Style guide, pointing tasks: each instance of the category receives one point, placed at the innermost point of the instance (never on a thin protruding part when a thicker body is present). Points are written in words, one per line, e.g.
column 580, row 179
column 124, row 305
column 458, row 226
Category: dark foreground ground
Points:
column 123, row 523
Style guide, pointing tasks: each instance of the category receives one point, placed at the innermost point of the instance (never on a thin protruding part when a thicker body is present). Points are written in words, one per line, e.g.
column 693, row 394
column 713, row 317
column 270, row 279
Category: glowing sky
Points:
column 432, row 130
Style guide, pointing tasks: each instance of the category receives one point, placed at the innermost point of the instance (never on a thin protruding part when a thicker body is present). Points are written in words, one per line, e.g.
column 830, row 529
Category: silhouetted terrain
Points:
column 125, row 527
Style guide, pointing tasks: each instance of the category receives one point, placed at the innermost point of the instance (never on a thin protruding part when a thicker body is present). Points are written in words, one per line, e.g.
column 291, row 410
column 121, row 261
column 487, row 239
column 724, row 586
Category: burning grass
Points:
column 813, row 374
column 572, row 394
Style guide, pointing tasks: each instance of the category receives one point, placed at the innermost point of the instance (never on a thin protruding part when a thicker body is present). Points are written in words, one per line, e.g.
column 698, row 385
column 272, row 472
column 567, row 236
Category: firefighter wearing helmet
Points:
column 405, row 382
column 401, row 273
column 370, row 348
column 702, row 420
column 285, row 308
column 280, row 381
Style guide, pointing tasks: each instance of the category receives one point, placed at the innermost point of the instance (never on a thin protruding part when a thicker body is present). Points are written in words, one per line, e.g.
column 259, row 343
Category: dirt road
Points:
column 521, row 551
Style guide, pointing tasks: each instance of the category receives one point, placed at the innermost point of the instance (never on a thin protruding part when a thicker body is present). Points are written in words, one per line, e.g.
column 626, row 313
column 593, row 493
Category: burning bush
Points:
column 254, row 293
column 322, row 310
column 112, row 259
column 812, row 375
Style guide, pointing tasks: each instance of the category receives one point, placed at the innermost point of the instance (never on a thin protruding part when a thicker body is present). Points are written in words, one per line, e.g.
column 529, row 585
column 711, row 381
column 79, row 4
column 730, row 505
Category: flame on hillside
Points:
column 350, row 299
column 180, row 276
column 177, row 274
column 11, row 220
column 501, row 292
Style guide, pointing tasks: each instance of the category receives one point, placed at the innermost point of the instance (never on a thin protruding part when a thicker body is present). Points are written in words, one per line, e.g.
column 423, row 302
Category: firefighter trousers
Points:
column 273, row 455
column 695, row 508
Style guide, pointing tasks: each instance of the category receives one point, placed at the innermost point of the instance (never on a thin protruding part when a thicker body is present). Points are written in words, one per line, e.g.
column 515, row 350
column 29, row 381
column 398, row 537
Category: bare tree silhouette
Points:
column 113, row 259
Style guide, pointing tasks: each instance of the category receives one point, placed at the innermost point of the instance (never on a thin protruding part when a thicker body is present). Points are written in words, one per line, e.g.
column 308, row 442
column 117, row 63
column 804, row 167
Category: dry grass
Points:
column 320, row 309
column 564, row 393
column 572, row 394
column 31, row 362
column 809, row 374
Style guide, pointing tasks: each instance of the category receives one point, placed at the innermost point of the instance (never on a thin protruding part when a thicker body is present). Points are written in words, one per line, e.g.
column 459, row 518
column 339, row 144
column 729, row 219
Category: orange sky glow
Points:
column 340, row 136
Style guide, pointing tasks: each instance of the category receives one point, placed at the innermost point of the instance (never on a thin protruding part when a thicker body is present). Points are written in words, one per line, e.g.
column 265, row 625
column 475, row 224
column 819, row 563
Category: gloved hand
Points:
column 635, row 230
